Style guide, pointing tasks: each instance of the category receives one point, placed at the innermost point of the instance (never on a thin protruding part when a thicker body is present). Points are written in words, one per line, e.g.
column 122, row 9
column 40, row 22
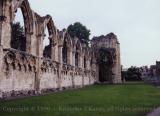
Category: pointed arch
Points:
column 28, row 20
column 51, row 28
column 27, row 14
column 52, row 33
column 78, row 51
column 67, row 49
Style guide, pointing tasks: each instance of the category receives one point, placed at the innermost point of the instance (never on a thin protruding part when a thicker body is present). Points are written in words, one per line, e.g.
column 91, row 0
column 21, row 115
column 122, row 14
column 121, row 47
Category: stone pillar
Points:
column 53, row 52
column 60, row 54
column 95, row 68
column 73, row 58
column 1, row 60
column 38, row 65
column 40, row 45
column 60, row 66
column 114, row 71
column 38, row 76
column 119, row 64
column 73, row 64
column 88, row 64
column 29, row 47
column 69, row 56
column 97, row 72
column 80, row 61
column 31, row 43
column 1, row 69
column 5, row 23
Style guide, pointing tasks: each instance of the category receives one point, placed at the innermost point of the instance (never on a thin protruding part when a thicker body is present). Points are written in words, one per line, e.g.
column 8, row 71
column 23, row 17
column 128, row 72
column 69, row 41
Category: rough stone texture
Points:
column 28, row 73
column 109, row 42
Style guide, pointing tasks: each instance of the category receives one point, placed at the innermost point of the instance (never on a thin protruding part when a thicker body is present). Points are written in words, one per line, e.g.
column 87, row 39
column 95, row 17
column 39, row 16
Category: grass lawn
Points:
column 98, row 100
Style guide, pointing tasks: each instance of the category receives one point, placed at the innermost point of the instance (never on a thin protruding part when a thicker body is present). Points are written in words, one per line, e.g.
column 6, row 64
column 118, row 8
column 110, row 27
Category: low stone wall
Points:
column 24, row 75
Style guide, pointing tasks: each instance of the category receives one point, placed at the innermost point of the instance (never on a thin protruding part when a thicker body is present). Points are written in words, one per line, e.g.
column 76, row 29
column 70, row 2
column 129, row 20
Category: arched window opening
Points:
column 46, row 45
column 18, row 38
column 84, row 63
column 64, row 52
column 76, row 57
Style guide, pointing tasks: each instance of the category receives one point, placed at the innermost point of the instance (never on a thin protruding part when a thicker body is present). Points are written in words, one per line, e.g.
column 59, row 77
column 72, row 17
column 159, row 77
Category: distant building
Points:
column 157, row 68
column 152, row 70
column 144, row 71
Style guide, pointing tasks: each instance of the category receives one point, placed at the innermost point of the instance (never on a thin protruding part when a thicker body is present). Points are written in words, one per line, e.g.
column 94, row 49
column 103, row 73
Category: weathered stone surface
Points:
column 28, row 73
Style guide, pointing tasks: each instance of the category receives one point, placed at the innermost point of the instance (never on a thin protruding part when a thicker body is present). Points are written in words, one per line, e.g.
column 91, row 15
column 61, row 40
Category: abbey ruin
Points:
column 70, row 64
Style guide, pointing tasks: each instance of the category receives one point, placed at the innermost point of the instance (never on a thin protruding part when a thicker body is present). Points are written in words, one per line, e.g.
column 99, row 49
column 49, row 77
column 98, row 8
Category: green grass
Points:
column 98, row 100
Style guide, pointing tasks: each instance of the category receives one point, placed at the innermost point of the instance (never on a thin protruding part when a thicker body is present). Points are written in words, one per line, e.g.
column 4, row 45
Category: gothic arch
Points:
column 27, row 14
column 78, row 51
column 67, row 49
column 28, row 20
column 43, row 23
column 51, row 29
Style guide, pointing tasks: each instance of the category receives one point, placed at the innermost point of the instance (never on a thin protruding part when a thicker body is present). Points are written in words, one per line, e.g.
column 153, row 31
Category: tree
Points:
column 18, row 40
column 133, row 74
column 80, row 31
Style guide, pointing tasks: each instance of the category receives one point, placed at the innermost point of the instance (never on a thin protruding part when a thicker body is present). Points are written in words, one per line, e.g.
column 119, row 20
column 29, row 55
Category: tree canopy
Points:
column 133, row 74
column 80, row 31
column 18, row 40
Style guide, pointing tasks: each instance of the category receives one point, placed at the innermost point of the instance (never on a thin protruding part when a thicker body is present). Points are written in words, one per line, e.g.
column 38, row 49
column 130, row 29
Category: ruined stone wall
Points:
column 49, row 74
column 28, row 72
column 18, row 73
column 109, row 42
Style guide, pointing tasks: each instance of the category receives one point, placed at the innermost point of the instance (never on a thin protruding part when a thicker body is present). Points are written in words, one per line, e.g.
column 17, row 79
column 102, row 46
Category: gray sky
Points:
column 135, row 22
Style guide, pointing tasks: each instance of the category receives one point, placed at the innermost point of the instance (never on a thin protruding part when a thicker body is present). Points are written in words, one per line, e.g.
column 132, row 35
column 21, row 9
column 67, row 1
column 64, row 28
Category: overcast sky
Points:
column 135, row 22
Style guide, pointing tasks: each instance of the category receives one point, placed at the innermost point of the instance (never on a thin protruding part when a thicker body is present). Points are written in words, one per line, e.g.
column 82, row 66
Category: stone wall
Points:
column 110, row 43
column 28, row 72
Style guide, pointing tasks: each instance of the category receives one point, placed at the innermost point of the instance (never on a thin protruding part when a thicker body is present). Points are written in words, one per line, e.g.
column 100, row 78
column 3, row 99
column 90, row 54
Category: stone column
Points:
column 40, row 45
column 60, row 66
column 95, row 67
column 80, row 61
column 39, row 62
column 31, row 43
column 88, row 64
column 29, row 47
column 60, row 54
column 114, row 71
column 69, row 56
column 119, row 64
column 97, row 72
column 1, row 60
column 73, row 64
column 1, row 69
column 73, row 58
column 5, row 23
column 53, row 51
